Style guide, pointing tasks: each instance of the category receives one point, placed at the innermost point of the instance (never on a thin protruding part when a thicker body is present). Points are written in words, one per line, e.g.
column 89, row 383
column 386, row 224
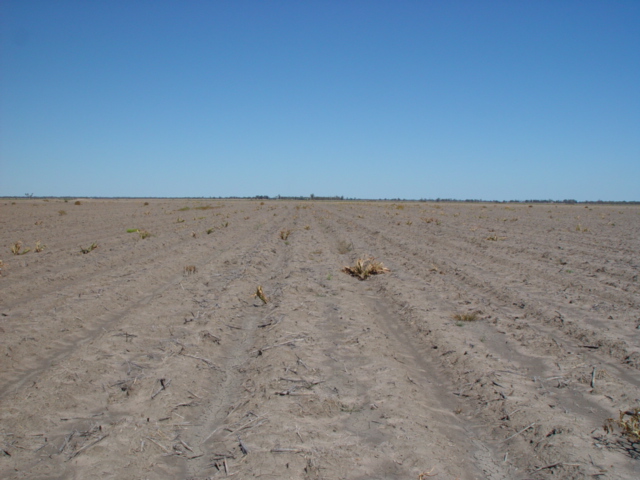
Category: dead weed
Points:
column 364, row 268
column 628, row 422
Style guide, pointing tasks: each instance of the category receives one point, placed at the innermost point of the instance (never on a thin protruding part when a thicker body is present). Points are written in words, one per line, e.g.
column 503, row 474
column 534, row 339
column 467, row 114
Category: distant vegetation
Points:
column 343, row 198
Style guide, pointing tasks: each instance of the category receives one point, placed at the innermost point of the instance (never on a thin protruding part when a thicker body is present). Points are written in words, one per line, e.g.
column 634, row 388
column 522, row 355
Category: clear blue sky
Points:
column 370, row 99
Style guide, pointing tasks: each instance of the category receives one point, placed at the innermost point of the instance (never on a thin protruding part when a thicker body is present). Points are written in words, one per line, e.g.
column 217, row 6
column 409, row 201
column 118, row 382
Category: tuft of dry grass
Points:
column 78, row 202
column 628, row 422
column 284, row 234
column 260, row 294
column 466, row 317
column 364, row 268
column 16, row 249
column 62, row 212
column 190, row 270
column 90, row 248
column 39, row 246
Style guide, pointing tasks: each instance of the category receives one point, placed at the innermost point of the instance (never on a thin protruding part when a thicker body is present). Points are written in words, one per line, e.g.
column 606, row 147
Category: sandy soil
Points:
column 122, row 363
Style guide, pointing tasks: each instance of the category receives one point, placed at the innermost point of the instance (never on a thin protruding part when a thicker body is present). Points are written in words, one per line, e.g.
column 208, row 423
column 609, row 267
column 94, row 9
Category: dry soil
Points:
column 496, row 347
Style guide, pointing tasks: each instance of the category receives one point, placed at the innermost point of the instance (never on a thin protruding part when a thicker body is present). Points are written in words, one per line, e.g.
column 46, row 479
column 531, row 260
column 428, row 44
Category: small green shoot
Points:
column 90, row 248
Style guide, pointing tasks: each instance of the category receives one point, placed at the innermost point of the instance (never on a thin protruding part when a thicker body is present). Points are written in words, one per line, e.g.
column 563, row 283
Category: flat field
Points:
column 496, row 347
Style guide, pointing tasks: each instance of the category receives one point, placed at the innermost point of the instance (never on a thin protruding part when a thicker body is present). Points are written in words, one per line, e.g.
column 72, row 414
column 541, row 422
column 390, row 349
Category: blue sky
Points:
column 368, row 99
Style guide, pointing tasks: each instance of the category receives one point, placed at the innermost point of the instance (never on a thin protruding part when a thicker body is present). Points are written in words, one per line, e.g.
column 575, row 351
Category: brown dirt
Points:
column 123, row 363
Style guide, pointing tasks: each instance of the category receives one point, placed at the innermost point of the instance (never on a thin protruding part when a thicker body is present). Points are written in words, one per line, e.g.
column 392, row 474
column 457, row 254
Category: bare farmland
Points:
column 133, row 344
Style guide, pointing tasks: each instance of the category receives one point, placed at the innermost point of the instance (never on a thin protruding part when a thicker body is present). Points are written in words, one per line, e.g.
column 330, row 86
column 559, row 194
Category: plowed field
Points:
column 496, row 347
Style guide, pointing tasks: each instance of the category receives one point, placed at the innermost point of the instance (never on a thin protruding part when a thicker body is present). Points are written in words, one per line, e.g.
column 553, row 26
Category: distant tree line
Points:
column 354, row 199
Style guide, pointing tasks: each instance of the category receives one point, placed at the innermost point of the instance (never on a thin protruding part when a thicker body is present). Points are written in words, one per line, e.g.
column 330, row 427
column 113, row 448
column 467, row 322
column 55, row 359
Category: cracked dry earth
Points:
column 124, row 363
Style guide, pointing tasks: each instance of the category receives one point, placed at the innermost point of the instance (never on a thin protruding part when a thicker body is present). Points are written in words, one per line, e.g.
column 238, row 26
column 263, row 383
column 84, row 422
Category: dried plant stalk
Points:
column 260, row 294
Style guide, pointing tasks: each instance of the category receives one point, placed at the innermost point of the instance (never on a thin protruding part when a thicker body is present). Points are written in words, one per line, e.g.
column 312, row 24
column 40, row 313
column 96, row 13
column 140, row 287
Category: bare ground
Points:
column 122, row 363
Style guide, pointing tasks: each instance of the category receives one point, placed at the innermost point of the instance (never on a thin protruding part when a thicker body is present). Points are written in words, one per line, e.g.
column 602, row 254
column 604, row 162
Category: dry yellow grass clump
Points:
column 16, row 249
column 364, row 268
column 466, row 317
